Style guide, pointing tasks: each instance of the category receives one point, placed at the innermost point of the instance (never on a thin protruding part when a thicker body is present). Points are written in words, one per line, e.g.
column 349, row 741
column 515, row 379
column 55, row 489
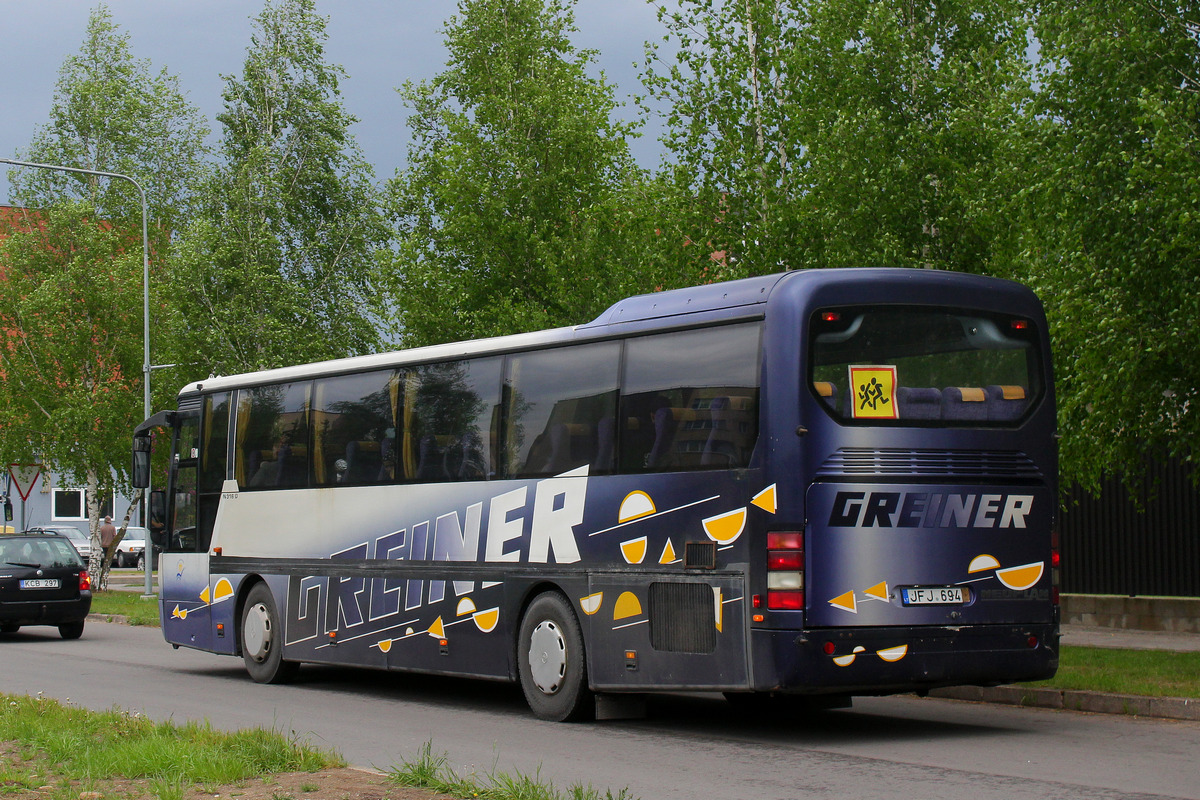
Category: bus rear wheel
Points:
column 262, row 639
column 550, row 660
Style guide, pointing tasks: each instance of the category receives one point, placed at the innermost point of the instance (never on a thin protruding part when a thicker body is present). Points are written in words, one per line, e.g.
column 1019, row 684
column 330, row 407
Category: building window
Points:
column 71, row 504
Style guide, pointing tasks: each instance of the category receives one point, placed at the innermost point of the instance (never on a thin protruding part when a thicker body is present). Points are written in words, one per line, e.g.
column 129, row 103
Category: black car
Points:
column 43, row 581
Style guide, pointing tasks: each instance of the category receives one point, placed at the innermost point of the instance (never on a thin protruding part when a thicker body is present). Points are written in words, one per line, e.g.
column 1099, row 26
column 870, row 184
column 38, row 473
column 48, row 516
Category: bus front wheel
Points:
column 551, row 662
column 262, row 639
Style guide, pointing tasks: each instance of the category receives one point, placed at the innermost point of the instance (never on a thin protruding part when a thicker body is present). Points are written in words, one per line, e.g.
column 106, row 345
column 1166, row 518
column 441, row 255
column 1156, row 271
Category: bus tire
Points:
column 551, row 661
column 261, row 636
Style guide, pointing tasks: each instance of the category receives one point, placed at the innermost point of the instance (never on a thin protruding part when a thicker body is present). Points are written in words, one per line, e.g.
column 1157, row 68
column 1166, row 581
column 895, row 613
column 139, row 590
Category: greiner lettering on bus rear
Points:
column 625, row 506
column 929, row 510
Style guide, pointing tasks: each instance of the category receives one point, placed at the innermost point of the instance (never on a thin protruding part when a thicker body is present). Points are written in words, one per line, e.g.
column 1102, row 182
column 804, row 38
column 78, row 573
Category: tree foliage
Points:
column 71, row 325
column 113, row 113
column 280, row 266
column 507, row 211
column 842, row 132
column 1108, row 227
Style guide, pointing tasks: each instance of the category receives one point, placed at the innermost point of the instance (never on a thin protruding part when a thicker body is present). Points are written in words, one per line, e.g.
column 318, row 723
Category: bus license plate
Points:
column 40, row 583
column 935, row 596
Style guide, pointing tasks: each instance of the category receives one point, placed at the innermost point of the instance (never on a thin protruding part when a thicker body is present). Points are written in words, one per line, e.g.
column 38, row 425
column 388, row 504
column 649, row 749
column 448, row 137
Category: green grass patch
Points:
column 431, row 770
column 88, row 746
column 1155, row 673
column 126, row 604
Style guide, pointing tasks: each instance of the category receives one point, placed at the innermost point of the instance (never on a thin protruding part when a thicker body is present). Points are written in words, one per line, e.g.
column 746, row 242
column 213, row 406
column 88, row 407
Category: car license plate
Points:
column 41, row 583
column 935, row 596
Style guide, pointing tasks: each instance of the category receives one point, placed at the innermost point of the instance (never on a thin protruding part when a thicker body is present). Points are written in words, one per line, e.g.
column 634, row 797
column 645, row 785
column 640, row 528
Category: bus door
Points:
column 190, row 601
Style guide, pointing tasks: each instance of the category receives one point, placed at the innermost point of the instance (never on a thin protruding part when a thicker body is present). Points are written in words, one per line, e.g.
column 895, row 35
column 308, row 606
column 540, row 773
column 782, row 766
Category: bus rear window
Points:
column 894, row 365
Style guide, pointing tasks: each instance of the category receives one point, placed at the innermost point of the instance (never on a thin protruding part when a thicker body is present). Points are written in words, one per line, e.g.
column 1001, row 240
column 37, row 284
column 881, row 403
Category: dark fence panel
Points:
column 1109, row 546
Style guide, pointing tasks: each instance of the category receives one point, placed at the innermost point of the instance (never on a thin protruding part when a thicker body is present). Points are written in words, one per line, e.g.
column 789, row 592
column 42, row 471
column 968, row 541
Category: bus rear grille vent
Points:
column 682, row 618
column 867, row 462
column 700, row 555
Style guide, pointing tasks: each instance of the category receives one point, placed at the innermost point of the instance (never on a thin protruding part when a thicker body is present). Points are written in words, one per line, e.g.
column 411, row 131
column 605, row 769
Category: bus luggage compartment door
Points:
column 927, row 554
column 666, row 631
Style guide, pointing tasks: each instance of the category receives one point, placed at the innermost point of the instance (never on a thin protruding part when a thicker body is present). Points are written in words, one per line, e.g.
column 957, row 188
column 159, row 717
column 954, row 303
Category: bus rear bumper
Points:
column 891, row 660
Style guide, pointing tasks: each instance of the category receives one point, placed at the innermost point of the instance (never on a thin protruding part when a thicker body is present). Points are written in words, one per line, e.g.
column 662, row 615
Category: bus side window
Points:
column 271, row 440
column 448, row 419
column 557, row 403
column 690, row 400
column 354, row 429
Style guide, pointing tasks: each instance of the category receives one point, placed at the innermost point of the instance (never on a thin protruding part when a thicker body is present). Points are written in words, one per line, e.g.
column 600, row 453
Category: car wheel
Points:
column 9, row 627
column 550, row 660
column 120, row 560
column 141, row 562
column 261, row 637
column 71, row 630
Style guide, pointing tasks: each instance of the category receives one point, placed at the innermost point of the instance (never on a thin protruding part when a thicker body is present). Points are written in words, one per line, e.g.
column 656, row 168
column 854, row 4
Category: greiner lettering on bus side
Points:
column 929, row 510
column 558, row 505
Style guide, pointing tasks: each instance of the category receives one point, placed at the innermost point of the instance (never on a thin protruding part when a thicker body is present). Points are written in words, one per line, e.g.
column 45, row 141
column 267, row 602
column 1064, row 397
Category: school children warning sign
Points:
column 874, row 391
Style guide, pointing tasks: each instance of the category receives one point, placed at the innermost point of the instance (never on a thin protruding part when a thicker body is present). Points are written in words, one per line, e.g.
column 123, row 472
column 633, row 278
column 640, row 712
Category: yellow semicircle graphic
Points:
column 725, row 528
column 1021, row 578
column 893, row 653
column 765, row 499
column 223, row 590
column 637, row 504
column 384, row 645
column 465, row 606
column 486, row 620
column 627, row 605
column 204, row 596
column 845, row 661
column 591, row 603
column 846, row 602
column 982, row 563
column 437, row 630
column 409, row 631
column 634, row 550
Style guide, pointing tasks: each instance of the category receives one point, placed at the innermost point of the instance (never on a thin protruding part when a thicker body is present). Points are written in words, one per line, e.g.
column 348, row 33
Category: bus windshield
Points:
column 924, row 366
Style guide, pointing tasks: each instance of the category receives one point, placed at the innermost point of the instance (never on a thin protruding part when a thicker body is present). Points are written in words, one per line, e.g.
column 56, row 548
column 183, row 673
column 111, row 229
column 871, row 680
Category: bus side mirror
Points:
column 141, row 462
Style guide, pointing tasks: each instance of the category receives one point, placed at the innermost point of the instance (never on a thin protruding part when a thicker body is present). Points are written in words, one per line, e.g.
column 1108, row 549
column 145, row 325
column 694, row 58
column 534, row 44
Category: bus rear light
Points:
column 785, row 580
column 756, row 601
column 792, row 600
column 830, row 316
column 785, row 540
column 1032, row 642
column 1055, row 563
column 1020, row 324
column 785, row 559
column 829, row 648
column 85, row 581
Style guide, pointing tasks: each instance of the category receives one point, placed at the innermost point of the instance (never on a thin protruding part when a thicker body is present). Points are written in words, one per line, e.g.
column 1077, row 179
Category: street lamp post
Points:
column 149, row 551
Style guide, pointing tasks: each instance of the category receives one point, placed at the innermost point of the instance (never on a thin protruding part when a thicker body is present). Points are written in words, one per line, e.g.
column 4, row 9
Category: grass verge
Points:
column 1153, row 673
column 432, row 771
column 57, row 751
column 81, row 746
column 129, row 605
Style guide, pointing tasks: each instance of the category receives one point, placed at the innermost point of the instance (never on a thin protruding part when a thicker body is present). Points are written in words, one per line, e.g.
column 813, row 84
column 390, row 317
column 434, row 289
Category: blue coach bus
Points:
column 819, row 483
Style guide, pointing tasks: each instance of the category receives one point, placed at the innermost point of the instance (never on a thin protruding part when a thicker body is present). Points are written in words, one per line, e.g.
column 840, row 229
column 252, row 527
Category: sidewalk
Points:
column 1074, row 635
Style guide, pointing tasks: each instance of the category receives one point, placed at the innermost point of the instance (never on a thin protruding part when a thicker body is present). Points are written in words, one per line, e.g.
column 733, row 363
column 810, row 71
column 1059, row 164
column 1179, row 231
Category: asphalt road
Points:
column 688, row 747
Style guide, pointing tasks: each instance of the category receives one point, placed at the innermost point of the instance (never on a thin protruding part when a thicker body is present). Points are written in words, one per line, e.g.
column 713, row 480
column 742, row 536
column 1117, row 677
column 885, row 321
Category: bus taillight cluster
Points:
column 785, row 570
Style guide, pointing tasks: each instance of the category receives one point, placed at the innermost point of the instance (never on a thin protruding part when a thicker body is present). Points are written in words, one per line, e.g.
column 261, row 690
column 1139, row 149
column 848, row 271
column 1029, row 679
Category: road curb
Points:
column 1182, row 708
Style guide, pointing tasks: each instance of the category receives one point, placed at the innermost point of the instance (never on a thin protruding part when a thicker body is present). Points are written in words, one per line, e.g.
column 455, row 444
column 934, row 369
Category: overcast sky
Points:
column 380, row 44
